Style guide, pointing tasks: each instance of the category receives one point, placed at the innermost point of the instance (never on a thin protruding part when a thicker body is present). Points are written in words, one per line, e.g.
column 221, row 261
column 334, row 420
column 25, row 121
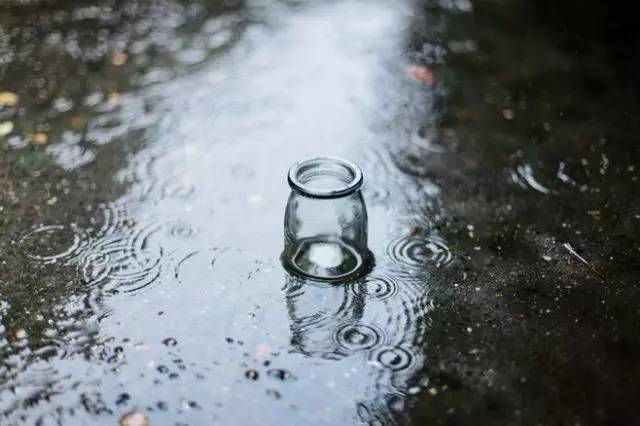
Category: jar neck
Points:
column 325, row 178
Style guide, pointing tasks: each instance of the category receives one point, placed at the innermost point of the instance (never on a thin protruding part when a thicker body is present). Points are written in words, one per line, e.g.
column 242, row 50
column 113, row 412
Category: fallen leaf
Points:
column 8, row 99
column 594, row 214
column 421, row 73
column 6, row 127
column 119, row 59
column 38, row 138
column 508, row 114
column 113, row 98
column 134, row 419
column 77, row 121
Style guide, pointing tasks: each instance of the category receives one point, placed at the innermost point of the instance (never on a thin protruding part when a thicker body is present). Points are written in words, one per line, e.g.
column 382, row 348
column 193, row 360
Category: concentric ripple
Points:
column 418, row 251
column 53, row 243
column 355, row 337
column 123, row 263
column 377, row 286
column 394, row 358
column 196, row 266
column 181, row 230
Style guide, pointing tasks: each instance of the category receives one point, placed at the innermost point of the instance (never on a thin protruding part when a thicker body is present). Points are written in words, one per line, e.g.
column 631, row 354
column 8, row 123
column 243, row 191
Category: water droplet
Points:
column 181, row 230
column 378, row 286
column 394, row 358
column 417, row 251
column 358, row 337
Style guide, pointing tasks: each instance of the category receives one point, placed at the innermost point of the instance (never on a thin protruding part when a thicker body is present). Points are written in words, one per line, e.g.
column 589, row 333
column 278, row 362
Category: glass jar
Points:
column 325, row 222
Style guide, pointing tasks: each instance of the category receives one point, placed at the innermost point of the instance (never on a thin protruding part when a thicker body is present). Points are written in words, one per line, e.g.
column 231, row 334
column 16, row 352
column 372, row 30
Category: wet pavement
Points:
column 144, row 151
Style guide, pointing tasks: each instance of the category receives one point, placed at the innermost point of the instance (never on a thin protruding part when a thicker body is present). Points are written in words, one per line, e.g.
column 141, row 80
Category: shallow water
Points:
column 142, row 233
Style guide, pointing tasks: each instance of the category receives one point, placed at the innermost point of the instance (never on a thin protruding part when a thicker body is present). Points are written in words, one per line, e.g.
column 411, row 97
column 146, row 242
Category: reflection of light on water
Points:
column 326, row 255
column 524, row 177
column 326, row 258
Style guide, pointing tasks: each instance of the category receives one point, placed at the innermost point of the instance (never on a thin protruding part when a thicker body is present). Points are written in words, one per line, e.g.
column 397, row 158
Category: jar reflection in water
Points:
column 325, row 223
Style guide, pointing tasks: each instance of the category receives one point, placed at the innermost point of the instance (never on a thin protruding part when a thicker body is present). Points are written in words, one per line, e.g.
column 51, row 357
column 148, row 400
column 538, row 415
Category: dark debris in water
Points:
column 170, row 341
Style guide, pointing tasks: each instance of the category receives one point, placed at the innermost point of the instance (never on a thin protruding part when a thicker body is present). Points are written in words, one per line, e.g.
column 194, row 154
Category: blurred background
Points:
column 144, row 146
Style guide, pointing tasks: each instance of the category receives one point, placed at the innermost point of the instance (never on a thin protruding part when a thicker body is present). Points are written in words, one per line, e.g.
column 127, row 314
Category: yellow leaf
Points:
column 119, row 59
column 38, row 138
column 113, row 98
column 8, row 99
column 134, row 418
column 6, row 127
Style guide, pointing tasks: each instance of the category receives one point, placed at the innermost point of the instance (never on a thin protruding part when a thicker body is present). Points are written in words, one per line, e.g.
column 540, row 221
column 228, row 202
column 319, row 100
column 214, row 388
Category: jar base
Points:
column 324, row 258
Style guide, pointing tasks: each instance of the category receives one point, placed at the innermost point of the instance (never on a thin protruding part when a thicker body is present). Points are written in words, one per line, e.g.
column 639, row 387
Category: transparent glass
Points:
column 325, row 222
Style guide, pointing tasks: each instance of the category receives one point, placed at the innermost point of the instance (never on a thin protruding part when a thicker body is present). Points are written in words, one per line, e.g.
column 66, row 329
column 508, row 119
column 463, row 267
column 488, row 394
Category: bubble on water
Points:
column 417, row 251
column 358, row 337
column 53, row 243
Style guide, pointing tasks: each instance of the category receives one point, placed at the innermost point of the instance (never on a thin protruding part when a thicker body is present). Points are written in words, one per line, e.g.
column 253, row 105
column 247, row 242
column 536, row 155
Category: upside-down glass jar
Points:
column 325, row 222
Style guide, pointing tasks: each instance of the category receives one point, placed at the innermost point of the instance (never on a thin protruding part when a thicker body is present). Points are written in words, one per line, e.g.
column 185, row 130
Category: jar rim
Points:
column 355, row 174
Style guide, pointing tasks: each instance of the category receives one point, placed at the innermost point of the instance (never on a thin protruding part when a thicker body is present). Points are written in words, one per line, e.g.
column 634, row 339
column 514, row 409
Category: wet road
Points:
column 144, row 185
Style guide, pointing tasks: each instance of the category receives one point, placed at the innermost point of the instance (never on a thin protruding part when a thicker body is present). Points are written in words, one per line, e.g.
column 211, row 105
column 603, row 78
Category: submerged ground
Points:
column 144, row 148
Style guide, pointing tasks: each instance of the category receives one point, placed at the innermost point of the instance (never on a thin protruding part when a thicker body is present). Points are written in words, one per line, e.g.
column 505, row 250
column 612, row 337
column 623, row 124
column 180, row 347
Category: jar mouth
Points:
column 325, row 177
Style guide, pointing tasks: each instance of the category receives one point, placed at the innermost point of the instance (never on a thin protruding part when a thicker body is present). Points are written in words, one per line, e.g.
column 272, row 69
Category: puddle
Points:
column 143, row 187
